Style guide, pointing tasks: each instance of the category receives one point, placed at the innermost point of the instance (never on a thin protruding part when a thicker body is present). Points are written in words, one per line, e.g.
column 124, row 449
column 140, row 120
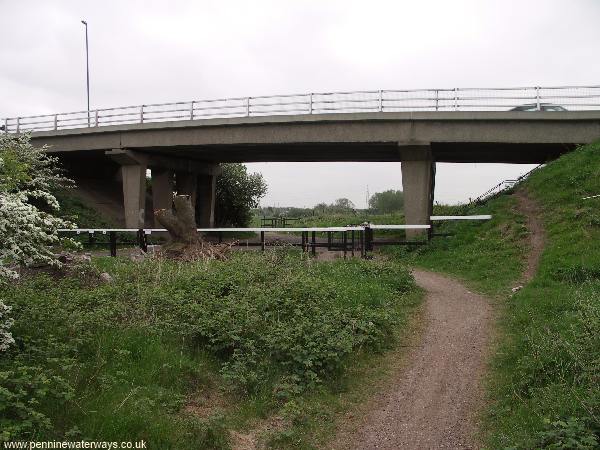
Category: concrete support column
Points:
column 134, row 194
column 418, row 178
column 186, row 184
column 205, row 211
column 162, row 189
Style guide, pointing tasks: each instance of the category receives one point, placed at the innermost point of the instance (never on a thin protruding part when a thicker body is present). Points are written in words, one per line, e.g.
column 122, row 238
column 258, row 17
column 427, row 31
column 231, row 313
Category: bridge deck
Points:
column 514, row 137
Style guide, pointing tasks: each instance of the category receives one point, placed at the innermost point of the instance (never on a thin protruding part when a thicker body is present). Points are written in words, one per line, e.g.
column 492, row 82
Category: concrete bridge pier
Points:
column 162, row 189
column 133, row 176
column 134, row 194
column 200, row 185
column 206, row 199
column 418, row 182
column 187, row 184
column 187, row 177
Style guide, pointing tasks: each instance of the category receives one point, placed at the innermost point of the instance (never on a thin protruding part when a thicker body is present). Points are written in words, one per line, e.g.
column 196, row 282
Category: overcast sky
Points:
column 161, row 51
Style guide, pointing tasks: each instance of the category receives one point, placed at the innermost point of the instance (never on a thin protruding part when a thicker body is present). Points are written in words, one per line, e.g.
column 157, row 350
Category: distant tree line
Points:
column 381, row 203
column 387, row 201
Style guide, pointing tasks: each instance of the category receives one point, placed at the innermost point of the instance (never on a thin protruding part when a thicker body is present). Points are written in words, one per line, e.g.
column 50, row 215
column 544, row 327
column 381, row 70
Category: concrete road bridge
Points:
column 108, row 150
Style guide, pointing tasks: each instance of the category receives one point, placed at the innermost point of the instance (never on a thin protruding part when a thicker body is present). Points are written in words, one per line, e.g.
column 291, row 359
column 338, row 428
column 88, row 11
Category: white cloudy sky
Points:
column 160, row 51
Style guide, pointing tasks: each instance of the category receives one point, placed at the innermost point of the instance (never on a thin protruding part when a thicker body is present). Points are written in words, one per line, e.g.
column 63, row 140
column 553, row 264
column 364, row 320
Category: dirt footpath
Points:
column 432, row 403
column 537, row 237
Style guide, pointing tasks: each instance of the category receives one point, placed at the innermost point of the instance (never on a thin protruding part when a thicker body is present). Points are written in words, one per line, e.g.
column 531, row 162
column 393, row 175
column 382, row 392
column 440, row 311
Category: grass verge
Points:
column 544, row 377
column 487, row 255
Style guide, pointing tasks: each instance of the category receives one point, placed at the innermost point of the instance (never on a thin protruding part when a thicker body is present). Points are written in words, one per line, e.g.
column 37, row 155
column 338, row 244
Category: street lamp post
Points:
column 87, row 66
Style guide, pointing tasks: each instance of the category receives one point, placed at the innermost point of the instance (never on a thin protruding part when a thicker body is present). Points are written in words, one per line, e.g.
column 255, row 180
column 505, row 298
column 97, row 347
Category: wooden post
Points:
column 314, row 243
column 363, row 254
column 369, row 239
column 262, row 241
column 142, row 240
column 113, row 243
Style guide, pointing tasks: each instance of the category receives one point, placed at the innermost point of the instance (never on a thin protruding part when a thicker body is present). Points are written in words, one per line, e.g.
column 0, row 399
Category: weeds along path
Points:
column 432, row 402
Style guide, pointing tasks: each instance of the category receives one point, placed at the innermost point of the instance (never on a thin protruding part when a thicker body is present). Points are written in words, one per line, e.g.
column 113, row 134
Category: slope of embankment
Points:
column 544, row 376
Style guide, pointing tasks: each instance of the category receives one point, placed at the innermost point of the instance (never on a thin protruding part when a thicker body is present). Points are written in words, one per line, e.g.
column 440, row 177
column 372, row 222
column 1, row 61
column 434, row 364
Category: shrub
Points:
column 387, row 201
column 238, row 192
column 27, row 226
column 568, row 434
column 5, row 323
column 274, row 325
column 27, row 229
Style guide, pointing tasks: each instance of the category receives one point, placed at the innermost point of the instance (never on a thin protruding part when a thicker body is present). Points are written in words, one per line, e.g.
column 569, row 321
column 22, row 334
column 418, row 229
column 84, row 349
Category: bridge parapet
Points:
column 572, row 98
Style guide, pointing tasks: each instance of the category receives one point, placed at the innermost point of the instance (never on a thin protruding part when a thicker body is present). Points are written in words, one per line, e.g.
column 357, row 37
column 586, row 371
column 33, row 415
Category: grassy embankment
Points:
column 544, row 380
column 75, row 210
column 187, row 355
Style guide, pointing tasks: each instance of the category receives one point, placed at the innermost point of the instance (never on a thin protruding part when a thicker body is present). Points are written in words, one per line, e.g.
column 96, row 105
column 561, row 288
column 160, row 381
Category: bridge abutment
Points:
column 418, row 181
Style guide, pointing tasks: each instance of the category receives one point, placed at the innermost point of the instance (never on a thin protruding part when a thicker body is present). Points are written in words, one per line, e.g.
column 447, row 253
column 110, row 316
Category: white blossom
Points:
column 5, row 323
column 27, row 227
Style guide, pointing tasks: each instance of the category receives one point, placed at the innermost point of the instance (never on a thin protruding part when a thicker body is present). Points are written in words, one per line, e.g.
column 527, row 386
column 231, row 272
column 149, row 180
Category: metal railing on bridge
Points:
column 572, row 98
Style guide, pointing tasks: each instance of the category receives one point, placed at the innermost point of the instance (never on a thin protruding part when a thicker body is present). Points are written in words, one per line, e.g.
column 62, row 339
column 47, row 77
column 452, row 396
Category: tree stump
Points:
column 180, row 222
column 186, row 244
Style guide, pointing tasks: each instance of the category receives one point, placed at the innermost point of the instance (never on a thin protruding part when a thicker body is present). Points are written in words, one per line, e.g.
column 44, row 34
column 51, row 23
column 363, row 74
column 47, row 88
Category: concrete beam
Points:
column 205, row 210
column 127, row 156
column 418, row 179
column 184, row 165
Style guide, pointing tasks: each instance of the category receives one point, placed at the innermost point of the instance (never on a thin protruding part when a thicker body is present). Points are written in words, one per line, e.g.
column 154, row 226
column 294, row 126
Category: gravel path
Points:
column 432, row 402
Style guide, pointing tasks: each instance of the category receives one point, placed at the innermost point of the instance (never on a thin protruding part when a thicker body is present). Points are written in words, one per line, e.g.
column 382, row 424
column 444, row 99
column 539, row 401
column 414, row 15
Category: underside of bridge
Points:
column 115, row 184
column 118, row 176
column 183, row 156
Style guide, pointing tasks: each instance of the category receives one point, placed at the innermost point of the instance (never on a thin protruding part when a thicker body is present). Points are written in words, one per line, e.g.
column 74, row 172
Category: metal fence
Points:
column 347, row 239
column 503, row 186
column 572, row 98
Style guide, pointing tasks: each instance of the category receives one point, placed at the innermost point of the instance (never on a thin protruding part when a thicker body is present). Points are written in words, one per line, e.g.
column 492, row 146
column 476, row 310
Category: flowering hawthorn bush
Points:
column 28, row 227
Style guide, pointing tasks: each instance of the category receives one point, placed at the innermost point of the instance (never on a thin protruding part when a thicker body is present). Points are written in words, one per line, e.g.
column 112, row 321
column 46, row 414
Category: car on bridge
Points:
column 542, row 107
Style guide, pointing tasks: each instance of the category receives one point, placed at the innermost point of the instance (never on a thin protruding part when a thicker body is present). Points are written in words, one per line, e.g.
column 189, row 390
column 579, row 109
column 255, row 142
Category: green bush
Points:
column 568, row 434
column 117, row 361
column 387, row 201
column 237, row 194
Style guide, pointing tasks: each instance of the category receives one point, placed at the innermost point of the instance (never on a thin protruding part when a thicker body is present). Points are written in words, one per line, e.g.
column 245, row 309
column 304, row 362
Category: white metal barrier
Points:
column 455, row 99
column 476, row 217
